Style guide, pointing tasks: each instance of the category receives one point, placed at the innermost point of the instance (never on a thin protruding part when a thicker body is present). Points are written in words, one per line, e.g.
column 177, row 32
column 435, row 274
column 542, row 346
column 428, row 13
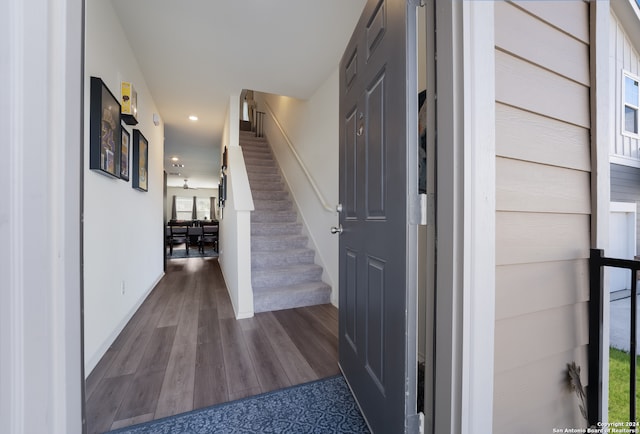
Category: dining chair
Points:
column 195, row 235
column 210, row 235
column 179, row 235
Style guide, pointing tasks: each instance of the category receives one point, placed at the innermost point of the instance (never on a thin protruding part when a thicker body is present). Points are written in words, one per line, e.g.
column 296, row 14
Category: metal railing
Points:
column 596, row 314
column 303, row 167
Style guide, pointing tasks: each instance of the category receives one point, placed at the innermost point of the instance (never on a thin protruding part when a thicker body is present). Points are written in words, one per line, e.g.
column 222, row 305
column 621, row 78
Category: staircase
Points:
column 283, row 273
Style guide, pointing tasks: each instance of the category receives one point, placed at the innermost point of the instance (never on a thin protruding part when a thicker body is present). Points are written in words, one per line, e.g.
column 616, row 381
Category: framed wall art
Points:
column 124, row 155
column 104, row 130
column 140, row 179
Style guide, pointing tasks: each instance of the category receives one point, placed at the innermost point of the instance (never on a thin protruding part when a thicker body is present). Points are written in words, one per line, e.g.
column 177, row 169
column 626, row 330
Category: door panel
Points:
column 377, row 332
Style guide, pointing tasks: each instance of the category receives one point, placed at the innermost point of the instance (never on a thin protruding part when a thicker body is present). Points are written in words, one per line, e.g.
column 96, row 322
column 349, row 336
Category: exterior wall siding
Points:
column 543, row 207
column 625, row 187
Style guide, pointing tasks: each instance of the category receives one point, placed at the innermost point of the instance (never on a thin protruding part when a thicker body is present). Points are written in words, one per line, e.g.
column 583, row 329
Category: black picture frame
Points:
column 224, row 158
column 140, row 179
column 222, row 190
column 125, row 151
column 105, row 137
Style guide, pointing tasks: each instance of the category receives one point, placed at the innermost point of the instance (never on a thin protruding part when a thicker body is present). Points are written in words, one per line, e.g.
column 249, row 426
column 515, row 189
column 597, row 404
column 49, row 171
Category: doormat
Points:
column 323, row 406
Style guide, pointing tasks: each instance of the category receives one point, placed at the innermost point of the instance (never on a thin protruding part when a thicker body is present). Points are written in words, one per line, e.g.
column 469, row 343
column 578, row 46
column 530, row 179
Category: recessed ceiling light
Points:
column 175, row 159
column 193, row 118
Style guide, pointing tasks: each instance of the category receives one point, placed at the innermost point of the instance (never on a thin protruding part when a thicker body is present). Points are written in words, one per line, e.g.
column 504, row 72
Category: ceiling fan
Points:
column 186, row 186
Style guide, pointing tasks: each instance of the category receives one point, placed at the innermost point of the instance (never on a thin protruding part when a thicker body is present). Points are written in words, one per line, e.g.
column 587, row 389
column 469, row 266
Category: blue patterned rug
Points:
column 323, row 406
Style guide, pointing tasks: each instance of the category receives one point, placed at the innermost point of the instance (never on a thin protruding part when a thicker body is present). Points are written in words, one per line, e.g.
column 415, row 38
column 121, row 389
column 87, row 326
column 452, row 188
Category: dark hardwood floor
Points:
column 184, row 350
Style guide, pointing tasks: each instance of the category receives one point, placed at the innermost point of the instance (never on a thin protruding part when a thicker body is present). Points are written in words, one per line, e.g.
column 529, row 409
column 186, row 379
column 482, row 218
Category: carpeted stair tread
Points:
column 285, row 275
column 275, row 228
column 269, row 194
column 262, row 169
column 269, row 243
column 291, row 296
column 270, row 204
column 273, row 216
column 255, row 147
column 262, row 260
column 267, row 186
column 264, row 177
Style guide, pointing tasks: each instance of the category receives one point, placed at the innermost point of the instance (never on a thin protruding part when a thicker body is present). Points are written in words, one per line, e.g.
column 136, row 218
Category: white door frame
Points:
column 600, row 165
column 41, row 42
column 465, row 218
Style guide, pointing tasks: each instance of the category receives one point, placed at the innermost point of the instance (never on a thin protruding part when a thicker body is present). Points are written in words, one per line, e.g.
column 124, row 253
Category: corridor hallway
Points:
column 183, row 350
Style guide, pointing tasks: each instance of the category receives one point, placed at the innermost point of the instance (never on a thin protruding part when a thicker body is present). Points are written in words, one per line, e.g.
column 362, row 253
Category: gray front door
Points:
column 378, row 161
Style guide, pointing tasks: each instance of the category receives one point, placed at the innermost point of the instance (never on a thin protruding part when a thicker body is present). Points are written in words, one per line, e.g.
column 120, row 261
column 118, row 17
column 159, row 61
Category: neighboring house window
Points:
column 631, row 104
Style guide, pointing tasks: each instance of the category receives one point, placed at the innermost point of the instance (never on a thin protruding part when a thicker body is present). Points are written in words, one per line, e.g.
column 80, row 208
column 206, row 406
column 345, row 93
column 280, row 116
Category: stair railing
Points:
column 312, row 182
column 596, row 314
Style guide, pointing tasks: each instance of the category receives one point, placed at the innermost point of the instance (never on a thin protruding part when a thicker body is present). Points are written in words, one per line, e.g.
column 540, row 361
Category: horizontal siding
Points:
column 526, row 186
column 522, row 289
column 528, row 336
column 569, row 16
column 561, row 99
column 514, row 36
column 523, row 238
column 539, row 398
column 528, row 136
column 543, row 206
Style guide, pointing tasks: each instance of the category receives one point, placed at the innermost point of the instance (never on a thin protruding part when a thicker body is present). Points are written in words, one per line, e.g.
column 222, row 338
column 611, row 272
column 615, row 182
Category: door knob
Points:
column 337, row 230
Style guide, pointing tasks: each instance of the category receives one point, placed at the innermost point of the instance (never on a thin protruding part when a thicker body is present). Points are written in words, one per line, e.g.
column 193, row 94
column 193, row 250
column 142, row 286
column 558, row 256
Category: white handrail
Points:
column 321, row 198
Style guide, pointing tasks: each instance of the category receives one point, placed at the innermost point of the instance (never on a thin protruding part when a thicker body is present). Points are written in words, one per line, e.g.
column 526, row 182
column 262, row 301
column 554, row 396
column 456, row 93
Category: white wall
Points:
column 181, row 192
column 40, row 115
column 123, row 227
column 312, row 128
column 235, row 224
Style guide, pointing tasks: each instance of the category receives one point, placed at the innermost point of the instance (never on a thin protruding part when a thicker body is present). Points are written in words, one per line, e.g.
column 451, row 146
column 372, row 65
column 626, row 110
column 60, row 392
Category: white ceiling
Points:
column 195, row 53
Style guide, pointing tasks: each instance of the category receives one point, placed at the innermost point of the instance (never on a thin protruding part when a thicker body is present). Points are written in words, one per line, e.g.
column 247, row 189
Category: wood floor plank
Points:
column 156, row 355
column 208, row 326
column 324, row 316
column 223, row 303
column 98, row 373
column 323, row 362
column 269, row 371
column 237, row 360
column 244, row 393
column 176, row 395
column 171, row 313
column 293, row 362
column 207, row 297
column 142, row 395
column 320, row 334
column 210, row 386
column 129, row 357
column 132, row 421
column 103, row 405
